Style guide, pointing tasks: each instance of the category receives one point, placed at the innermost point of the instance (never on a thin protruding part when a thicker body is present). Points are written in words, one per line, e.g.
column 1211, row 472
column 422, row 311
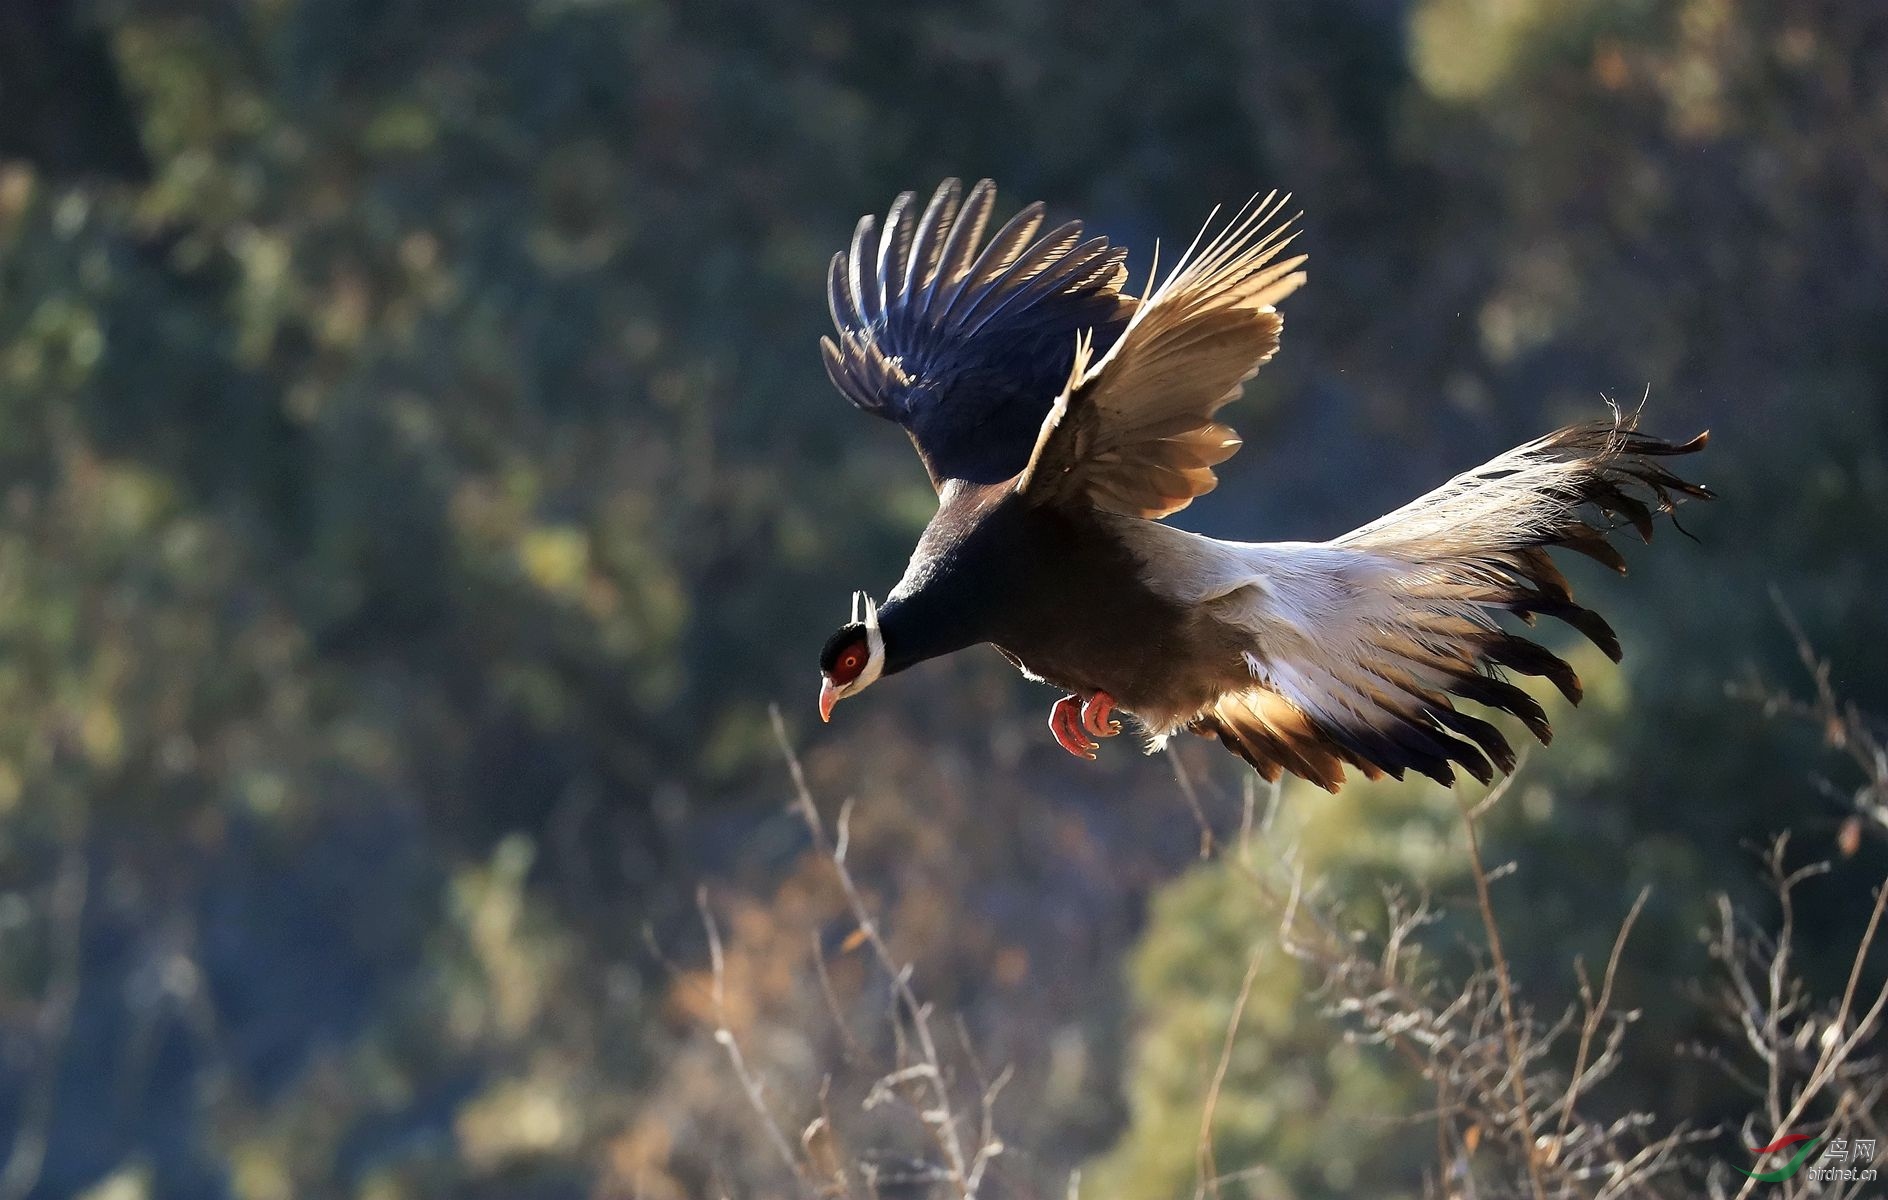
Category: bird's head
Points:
column 854, row 656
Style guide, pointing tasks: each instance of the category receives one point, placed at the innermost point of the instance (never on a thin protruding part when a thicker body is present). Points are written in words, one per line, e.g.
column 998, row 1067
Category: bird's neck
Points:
column 929, row 623
column 962, row 576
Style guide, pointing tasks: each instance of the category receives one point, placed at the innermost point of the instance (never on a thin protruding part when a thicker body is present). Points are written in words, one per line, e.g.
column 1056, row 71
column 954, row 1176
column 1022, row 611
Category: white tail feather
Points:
column 1367, row 637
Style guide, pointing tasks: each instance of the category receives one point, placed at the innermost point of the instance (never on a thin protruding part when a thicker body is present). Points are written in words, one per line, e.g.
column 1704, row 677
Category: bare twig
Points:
column 1192, row 796
column 1595, row 1016
column 724, row 1036
column 1836, row 1041
column 1517, row 1063
column 1843, row 727
column 1209, row 1178
column 927, row 1073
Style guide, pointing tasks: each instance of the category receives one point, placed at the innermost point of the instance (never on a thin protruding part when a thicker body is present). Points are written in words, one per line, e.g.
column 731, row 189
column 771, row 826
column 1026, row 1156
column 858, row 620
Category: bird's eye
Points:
column 847, row 666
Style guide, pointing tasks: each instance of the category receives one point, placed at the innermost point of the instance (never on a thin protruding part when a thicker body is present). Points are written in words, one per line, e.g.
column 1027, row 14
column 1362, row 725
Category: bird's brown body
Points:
column 1060, row 419
column 1058, row 590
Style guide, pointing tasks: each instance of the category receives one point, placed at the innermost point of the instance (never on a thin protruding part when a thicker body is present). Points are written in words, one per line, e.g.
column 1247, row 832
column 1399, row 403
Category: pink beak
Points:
column 828, row 696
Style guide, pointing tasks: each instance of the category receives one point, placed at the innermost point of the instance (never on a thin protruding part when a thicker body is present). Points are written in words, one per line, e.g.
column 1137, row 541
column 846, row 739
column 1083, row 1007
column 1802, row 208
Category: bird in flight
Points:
column 1060, row 419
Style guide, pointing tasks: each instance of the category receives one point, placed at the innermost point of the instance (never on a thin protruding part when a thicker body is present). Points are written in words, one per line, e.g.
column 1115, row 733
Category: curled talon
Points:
column 1095, row 712
column 1065, row 721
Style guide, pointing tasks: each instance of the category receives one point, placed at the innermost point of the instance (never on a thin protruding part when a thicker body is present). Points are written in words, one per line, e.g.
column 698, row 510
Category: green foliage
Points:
column 1302, row 1110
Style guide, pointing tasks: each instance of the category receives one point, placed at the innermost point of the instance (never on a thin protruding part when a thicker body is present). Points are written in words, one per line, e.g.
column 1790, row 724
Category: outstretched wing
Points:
column 1362, row 646
column 1133, row 428
column 965, row 345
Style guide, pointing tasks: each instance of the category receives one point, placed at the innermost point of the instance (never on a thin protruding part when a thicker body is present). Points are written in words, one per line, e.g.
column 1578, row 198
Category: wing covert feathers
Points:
column 1365, row 645
column 1133, row 430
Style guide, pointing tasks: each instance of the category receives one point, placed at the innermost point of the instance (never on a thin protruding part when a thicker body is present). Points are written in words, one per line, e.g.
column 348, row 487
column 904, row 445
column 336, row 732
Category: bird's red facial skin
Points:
column 851, row 661
column 846, row 668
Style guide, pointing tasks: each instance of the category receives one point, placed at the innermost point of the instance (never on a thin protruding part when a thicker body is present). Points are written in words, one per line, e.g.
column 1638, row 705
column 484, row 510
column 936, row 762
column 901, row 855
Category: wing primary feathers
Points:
column 1046, row 267
column 863, row 294
column 1016, row 278
column 954, row 260
column 928, row 248
column 839, row 296
column 894, row 244
column 836, row 371
column 1007, row 243
column 997, row 254
column 965, row 341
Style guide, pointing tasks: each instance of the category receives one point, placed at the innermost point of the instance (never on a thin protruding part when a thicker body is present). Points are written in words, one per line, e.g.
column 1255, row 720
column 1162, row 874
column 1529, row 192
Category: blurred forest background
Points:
column 417, row 479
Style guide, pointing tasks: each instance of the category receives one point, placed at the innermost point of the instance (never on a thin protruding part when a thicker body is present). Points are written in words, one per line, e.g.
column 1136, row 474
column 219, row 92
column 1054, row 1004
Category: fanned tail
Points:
column 1541, row 495
column 1363, row 645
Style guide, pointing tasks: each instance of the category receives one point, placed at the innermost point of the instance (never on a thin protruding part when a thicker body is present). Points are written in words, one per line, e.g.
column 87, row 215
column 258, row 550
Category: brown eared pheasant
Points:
column 1060, row 419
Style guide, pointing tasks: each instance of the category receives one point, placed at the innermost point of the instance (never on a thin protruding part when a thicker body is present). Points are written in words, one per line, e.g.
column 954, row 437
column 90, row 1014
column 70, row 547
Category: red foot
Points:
column 1065, row 721
column 1095, row 716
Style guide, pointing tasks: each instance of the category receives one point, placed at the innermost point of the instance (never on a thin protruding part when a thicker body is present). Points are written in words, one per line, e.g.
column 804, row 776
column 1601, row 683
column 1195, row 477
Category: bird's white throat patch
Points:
column 865, row 612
